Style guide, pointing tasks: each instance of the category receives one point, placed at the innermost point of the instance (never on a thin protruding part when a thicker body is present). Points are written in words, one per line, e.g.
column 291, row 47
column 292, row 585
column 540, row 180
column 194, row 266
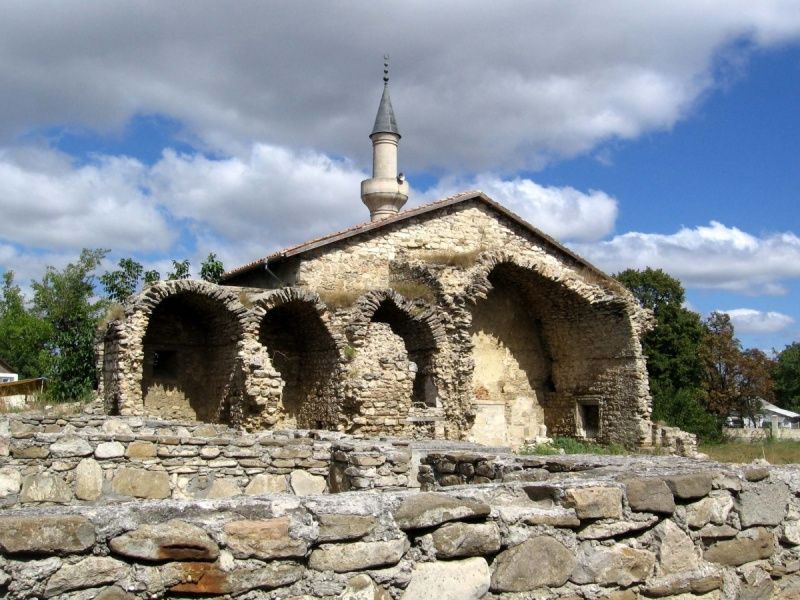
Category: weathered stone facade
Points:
column 456, row 320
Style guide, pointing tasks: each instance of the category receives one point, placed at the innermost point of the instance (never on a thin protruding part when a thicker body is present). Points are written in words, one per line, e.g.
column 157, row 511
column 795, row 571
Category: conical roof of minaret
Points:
column 384, row 120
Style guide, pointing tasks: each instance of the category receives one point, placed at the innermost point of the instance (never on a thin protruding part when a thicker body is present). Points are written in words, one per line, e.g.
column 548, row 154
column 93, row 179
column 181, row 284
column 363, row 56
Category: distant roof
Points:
column 5, row 367
column 460, row 198
column 778, row 410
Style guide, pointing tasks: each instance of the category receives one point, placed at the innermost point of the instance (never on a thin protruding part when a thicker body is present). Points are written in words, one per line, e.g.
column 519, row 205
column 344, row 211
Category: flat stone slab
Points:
column 452, row 580
column 454, row 540
column 141, row 483
column 763, row 503
column 649, row 495
column 690, row 485
column 355, row 556
column 264, row 539
column 173, row 540
column 541, row 561
column 429, row 509
column 753, row 544
column 46, row 534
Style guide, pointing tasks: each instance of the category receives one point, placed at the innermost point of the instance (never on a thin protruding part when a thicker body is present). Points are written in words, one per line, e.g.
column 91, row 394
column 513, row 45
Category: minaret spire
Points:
column 386, row 191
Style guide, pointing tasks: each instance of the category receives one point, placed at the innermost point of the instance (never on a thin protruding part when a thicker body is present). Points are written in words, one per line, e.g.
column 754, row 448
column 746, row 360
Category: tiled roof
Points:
column 403, row 216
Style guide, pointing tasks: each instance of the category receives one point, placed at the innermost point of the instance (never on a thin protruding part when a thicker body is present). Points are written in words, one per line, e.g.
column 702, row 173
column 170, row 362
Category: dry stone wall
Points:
column 597, row 528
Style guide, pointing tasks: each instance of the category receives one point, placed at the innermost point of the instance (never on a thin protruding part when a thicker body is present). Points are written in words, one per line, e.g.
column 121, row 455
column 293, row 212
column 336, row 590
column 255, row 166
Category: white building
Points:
column 6, row 373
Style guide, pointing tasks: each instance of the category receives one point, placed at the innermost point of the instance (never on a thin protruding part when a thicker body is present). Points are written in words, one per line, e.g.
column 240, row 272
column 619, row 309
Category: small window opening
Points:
column 590, row 419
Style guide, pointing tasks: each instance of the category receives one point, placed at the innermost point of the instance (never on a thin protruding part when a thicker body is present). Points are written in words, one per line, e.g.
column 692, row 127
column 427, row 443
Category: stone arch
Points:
column 550, row 347
column 294, row 328
column 187, row 349
column 396, row 348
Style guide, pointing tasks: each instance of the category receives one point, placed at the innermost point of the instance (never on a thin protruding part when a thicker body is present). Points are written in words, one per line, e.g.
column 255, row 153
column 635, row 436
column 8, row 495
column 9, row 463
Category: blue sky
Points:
column 663, row 135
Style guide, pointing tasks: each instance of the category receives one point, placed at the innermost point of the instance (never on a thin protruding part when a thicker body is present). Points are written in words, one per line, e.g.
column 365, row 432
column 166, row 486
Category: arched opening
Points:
column 302, row 350
column 189, row 358
column 513, row 364
column 395, row 364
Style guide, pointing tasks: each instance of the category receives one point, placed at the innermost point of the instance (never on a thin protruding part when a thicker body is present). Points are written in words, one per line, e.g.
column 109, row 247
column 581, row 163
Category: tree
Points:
column 151, row 277
column 211, row 269
column 65, row 300
column 180, row 270
column 672, row 348
column 786, row 376
column 23, row 335
column 122, row 283
column 736, row 380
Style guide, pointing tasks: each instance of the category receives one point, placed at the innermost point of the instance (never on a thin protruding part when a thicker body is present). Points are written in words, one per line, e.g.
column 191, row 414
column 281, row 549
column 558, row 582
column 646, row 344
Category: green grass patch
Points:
column 777, row 452
column 566, row 445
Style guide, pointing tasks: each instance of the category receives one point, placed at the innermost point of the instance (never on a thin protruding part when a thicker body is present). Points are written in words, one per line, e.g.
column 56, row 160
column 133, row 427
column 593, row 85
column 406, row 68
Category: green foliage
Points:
column 786, row 376
column 151, row 277
column 65, row 301
column 211, row 269
column 23, row 335
column 180, row 270
column 566, row 445
column 122, row 283
column 673, row 351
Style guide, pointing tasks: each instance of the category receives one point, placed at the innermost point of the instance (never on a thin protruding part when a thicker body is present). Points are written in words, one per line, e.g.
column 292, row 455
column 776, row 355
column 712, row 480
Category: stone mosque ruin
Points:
column 454, row 320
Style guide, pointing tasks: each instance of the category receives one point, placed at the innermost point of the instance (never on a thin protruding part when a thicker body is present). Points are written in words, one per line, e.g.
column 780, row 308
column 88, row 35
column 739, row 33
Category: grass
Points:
column 777, row 452
column 453, row 259
column 340, row 297
column 413, row 290
column 565, row 445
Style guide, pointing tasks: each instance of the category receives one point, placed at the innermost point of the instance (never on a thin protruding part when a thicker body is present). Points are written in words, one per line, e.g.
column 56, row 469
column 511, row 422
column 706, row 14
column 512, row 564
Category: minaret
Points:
column 387, row 191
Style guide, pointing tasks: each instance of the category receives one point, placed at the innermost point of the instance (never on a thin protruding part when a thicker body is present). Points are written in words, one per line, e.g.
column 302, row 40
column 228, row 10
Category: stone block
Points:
column 30, row 452
column 223, row 487
column 615, row 565
column 139, row 450
column 70, row 445
column 266, row 483
column 173, row 540
column 690, row 485
column 337, row 527
column 306, row 484
column 88, row 480
column 93, row 571
column 454, row 540
column 595, row 502
column 356, row 556
column 46, row 534
column 467, row 579
column 649, row 495
column 713, row 509
column 204, row 579
column 754, row 544
column 263, row 539
column 430, row 509
column 141, row 483
column 676, row 552
column 763, row 503
column 538, row 562
column 10, row 481
column 45, row 487
column 109, row 450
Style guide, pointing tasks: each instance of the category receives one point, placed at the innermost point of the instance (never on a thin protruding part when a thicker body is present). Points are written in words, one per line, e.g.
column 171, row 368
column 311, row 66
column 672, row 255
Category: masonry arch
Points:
column 559, row 352
column 305, row 353
column 395, row 355
column 189, row 350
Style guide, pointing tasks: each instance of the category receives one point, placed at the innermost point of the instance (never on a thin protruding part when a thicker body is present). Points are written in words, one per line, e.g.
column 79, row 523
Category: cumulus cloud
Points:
column 713, row 256
column 49, row 203
column 562, row 212
column 512, row 88
column 748, row 320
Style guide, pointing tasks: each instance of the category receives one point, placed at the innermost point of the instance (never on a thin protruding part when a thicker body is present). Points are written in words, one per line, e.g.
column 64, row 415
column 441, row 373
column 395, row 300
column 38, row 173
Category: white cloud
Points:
column 46, row 202
column 562, row 212
column 474, row 88
column 713, row 256
column 748, row 320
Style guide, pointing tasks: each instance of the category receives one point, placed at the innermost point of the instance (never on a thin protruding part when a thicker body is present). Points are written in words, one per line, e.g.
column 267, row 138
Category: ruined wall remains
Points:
column 488, row 333
column 576, row 527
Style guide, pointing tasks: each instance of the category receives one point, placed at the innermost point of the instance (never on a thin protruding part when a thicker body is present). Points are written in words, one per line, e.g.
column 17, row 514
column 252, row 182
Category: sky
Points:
column 662, row 134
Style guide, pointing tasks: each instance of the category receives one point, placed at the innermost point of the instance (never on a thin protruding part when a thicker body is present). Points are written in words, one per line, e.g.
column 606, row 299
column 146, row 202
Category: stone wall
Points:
column 690, row 530
column 95, row 460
